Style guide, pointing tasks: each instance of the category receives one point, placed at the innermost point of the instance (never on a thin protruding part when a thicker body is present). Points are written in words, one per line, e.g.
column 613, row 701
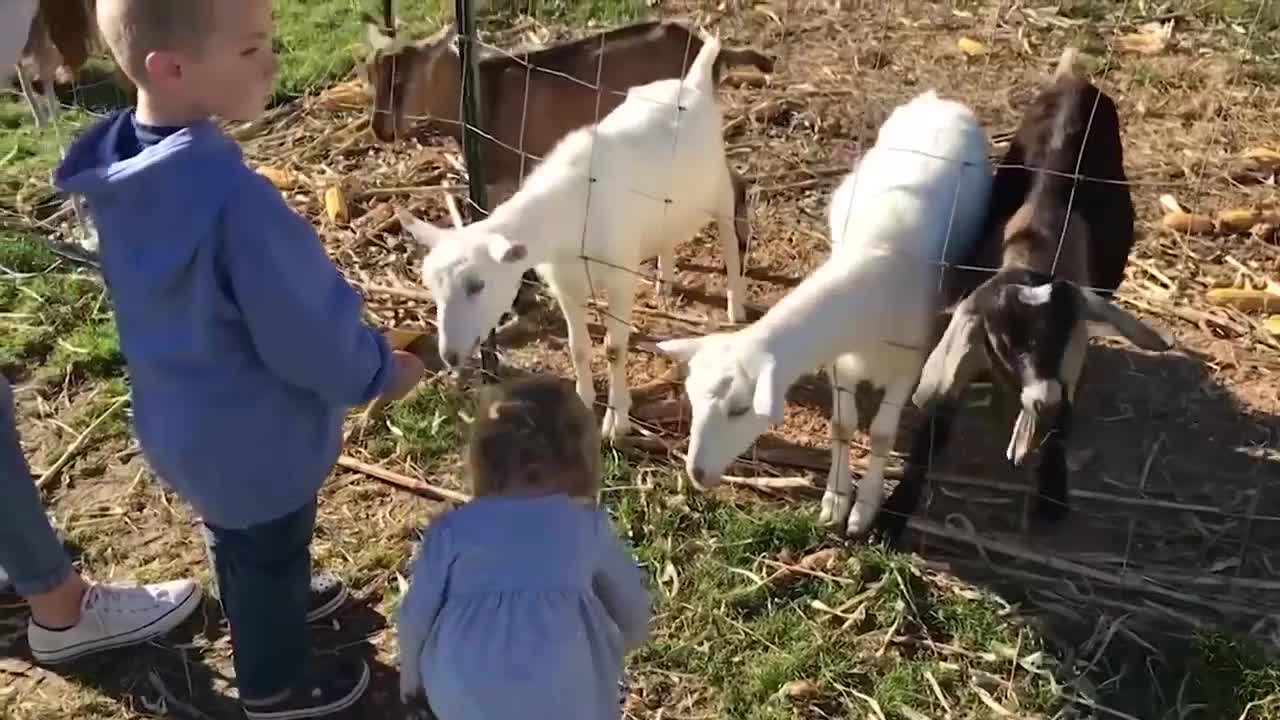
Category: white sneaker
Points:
column 116, row 615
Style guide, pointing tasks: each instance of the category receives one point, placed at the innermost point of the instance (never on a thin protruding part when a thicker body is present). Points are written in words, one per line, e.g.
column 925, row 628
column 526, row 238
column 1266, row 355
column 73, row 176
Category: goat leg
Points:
column 29, row 92
column 883, row 431
column 931, row 440
column 1051, row 504
column 837, row 499
column 617, row 322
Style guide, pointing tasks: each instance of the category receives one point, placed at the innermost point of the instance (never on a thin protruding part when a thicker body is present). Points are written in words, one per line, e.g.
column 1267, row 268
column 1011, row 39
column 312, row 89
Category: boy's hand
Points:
column 407, row 372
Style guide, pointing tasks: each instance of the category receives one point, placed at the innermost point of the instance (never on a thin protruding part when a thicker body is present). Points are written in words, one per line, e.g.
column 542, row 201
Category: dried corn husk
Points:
column 335, row 204
column 971, row 47
column 281, row 178
column 399, row 338
column 1188, row 223
column 1244, row 299
column 1238, row 220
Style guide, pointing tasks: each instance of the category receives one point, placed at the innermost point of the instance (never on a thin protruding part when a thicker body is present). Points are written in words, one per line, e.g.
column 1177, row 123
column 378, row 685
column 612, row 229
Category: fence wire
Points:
column 1131, row 575
column 619, row 322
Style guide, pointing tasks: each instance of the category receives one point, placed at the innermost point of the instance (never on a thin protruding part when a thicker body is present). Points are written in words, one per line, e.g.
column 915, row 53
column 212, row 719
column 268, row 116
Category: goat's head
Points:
column 410, row 80
column 473, row 275
column 735, row 392
column 1033, row 331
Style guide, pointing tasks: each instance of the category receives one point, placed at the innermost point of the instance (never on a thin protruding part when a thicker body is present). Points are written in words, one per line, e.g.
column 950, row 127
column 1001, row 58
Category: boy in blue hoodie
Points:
column 244, row 344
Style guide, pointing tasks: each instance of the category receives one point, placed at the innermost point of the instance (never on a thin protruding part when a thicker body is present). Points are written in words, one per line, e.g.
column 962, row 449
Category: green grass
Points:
column 750, row 638
column 53, row 321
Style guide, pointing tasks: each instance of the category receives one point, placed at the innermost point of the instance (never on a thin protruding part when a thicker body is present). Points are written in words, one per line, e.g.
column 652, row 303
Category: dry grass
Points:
column 1155, row 601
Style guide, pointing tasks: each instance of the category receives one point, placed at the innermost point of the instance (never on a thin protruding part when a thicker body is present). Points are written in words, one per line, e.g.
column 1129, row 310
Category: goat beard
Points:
column 1024, row 429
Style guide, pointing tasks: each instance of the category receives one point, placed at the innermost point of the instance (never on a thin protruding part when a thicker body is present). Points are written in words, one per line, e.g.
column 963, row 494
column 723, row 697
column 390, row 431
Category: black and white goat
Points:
column 1061, row 225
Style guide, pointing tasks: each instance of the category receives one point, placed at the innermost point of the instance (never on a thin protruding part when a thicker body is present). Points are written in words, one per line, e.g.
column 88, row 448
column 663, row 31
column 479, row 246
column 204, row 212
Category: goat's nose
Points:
column 451, row 359
column 698, row 474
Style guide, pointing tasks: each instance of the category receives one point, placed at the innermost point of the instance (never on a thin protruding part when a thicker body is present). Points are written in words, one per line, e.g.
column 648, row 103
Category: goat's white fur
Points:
column 869, row 311
column 648, row 176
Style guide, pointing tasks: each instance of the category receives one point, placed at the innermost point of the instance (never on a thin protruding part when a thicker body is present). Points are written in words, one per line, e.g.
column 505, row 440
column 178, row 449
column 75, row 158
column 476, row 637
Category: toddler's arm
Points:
column 420, row 605
column 620, row 586
column 303, row 318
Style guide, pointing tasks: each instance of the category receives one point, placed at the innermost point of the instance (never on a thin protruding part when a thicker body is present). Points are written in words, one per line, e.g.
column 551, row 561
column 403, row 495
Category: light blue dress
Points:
column 521, row 608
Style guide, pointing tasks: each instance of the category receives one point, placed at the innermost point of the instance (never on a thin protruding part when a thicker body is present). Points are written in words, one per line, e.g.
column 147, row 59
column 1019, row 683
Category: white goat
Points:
column 607, row 197
column 918, row 196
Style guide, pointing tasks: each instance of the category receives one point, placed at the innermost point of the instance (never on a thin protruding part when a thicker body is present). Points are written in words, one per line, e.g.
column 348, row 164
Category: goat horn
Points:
column 388, row 17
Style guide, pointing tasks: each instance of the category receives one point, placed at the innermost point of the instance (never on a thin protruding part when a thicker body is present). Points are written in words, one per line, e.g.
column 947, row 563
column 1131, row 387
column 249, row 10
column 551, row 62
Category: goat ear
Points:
column 378, row 38
column 681, row 349
column 770, row 396
column 1103, row 316
column 954, row 360
column 426, row 234
column 504, row 251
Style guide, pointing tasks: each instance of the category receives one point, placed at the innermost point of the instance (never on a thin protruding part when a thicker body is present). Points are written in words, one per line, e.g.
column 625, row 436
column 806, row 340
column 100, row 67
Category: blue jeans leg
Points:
column 30, row 553
column 264, row 576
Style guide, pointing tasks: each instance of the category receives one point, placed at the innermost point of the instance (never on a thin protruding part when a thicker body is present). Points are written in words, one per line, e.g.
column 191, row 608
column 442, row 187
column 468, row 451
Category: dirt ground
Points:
column 1176, row 513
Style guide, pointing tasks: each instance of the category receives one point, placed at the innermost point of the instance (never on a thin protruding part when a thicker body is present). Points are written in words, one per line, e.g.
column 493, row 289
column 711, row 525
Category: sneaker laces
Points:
column 116, row 598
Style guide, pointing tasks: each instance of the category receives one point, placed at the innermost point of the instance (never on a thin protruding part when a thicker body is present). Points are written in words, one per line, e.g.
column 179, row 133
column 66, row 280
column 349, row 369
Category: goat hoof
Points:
column 834, row 510
column 616, row 425
column 888, row 528
column 860, row 519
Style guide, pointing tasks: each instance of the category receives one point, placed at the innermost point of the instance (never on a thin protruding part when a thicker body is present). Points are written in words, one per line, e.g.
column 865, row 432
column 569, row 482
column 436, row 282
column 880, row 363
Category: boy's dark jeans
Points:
column 264, row 577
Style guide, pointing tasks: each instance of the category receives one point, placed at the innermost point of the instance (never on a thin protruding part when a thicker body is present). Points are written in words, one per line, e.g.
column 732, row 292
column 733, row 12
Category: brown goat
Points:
column 59, row 41
column 531, row 99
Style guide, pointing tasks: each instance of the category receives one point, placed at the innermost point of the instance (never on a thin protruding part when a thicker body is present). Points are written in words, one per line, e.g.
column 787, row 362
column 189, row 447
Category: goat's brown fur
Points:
column 423, row 81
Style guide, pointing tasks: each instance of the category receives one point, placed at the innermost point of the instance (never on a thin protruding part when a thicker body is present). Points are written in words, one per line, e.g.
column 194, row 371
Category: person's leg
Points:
column 263, row 580
column 70, row 617
column 30, row 552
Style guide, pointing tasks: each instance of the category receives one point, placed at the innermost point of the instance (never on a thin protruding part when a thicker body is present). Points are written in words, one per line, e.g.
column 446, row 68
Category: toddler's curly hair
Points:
column 533, row 436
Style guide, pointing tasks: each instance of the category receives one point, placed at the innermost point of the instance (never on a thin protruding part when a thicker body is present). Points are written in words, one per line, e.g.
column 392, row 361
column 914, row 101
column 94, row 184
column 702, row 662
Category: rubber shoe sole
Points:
column 331, row 708
column 154, row 629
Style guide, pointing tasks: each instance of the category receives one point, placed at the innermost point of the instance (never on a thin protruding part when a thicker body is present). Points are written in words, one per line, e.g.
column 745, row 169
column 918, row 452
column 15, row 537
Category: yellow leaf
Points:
column 281, row 178
column 1188, row 223
column 971, row 47
column 1264, row 156
column 400, row 339
column 801, row 690
column 1238, row 220
column 1151, row 39
column 1244, row 299
column 1273, row 324
column 335, row 203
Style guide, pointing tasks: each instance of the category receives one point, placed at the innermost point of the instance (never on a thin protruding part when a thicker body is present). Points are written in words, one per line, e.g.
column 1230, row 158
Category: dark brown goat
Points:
column 1060, row 225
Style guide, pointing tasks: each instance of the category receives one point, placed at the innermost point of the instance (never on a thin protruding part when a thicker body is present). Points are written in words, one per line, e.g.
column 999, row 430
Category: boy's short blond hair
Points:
column 133, row 29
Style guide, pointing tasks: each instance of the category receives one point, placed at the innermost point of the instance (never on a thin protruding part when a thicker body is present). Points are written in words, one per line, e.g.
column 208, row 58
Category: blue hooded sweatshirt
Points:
column 244, row 343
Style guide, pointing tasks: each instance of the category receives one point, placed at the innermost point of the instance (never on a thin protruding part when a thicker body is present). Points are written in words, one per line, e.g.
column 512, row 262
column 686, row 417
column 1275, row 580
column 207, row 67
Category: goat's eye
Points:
column 473, row 287
column 737, row 411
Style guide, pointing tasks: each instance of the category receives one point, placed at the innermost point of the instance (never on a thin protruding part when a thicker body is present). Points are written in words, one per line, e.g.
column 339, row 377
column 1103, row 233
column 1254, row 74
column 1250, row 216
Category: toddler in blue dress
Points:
column 523, row 602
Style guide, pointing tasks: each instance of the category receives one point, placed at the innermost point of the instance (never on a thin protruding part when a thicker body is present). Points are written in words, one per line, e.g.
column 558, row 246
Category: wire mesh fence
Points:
column 1174, row 520
column 1135, row 564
